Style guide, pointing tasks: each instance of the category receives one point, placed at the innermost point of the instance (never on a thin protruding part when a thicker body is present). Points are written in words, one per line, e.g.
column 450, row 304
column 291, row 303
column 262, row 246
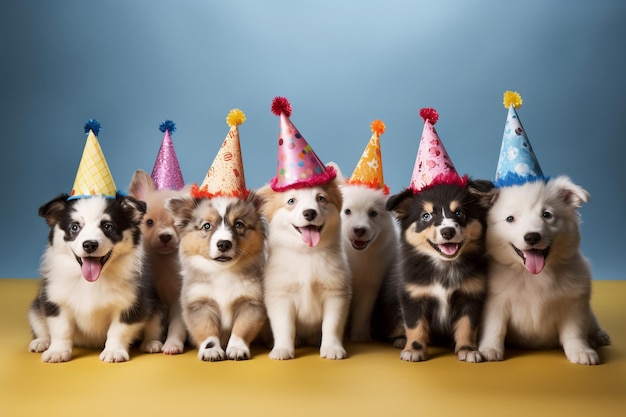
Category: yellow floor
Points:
column 372, row 381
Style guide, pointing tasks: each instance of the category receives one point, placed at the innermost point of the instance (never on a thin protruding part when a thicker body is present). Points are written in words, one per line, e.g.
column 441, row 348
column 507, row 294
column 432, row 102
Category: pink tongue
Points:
column 534, row 261
column 91, row 268
column 449, row 248
column 310, row 235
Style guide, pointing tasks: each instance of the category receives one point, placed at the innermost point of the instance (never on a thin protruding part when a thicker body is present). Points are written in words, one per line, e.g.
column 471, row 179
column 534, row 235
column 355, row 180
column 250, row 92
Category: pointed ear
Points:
column 135, row 208
column 141, row 184
column 255, row 199
column 572, row 194
column 181, row 210
column 484, row 191
column 53, row 210
column 340, row 176
column 400, row 203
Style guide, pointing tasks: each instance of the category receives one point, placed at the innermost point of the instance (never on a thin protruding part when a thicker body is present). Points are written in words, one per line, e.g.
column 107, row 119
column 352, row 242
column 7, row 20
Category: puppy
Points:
column 539, row 282
column 370, row 240
column 222, row 253
column 307, row 278
column 160, row 240
column 93, row 293
column 441, row 277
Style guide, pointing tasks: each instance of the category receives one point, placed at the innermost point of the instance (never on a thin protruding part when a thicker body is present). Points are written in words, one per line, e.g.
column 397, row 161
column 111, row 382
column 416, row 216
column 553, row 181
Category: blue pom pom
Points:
column 167, row 125
column 93, row 125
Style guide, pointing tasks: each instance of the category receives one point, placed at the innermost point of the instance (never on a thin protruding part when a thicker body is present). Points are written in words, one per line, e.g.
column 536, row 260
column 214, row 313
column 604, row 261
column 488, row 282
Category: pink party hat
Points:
column 166, row 173
column 433, row 165
column 225, row 177
column 298, row 165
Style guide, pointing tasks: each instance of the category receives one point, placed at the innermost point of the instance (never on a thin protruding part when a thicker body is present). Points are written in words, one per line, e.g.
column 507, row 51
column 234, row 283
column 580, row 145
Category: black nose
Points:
column 448, row 232
column 359, row 231
column 90, row 246
column 532, row 238
column 309, row 214
column 224, row 245
column 165, row 237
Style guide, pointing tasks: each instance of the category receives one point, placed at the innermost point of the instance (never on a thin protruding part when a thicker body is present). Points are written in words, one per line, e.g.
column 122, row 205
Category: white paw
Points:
column 468, row 355
column 114, row 355
column 492, row 354
column 585, row 356
column 412, row 355
column 211, row 354
column 152, row 346
column 333, row 352
column 238, row 353
column 38, row 345
column 173, row 347
column 282, row 353
column 56, row 356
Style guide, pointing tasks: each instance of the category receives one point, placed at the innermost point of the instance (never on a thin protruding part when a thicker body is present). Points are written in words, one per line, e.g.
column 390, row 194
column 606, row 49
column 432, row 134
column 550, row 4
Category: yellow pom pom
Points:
column 235, row 117
column 512, row 98
column 378, row 127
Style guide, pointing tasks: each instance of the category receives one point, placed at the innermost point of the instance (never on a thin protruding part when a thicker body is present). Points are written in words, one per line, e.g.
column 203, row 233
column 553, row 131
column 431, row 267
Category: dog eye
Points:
column 460, row 214
column 150, row 222
column 74, row 227
column 239, row 224
column 206, row 226
column 510, row 219
column 426, row 217
column 372, row 213
column 347, row 212
column 108, row 227
column 321, row 198
column 291, row 201
column 547, row 215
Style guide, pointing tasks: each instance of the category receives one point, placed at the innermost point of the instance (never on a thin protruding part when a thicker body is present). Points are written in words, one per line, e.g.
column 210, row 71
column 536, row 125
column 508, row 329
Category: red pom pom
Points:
column 281, row 105
column 429, row 114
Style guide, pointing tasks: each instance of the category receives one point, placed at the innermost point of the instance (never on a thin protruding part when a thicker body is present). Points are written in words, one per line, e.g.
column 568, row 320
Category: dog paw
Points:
column 492, row 354
column 212, row 354
column 602, row 338
column 114, row 355
column 583, row 357
column 152, row 346
column 412, row 355
column 238, row 353
column 56, row 356
column 399, row 342
column 282, row 353
column 173, row 348
column 333, row 352
column 469, row 355
column 38, row 345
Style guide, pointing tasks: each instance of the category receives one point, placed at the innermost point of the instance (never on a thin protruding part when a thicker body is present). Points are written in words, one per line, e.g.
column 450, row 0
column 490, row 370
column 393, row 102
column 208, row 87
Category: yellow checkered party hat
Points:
column 93, row 176
column 369, row 169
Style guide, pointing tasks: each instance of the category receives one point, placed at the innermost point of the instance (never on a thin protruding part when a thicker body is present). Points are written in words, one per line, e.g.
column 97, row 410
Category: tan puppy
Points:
column 160, row 241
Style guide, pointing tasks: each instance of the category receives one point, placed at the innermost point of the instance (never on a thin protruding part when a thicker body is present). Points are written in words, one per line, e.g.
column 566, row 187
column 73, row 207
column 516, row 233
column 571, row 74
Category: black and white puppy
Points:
column 93, row 293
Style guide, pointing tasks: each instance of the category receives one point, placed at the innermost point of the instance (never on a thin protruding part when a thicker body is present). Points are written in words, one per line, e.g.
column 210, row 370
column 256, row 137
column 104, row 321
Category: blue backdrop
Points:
column 342, row 64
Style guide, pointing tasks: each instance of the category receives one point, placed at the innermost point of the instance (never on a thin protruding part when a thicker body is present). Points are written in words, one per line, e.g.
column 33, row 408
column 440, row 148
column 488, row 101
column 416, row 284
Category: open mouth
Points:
column 534, row 259
column 91, row 266
column 223, row 258
column 360, row 244
column 310, row 234
column 447, row 250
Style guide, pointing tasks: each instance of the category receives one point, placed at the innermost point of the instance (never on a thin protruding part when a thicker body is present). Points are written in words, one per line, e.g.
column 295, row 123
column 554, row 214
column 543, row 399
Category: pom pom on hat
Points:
column 369, row 169
column 298, row 165
column 166, row 172
column 235, row 118
column 378, row 127
column 94, row 126
column 429, row 115
column 512, row 98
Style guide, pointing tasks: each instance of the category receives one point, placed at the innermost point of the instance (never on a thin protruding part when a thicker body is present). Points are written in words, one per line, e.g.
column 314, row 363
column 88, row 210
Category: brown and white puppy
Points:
column 160, row 241
column 440, row 282
column 307, row 277
column 222, row 253
column 93, row 291
column 539, row 282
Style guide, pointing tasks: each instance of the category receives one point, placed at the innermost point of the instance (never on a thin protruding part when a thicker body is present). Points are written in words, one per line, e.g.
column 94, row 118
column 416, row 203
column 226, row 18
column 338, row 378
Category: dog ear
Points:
column 135, row 208
column 181, row 209
column 572, row 194
column 53, row 210
column 264, row 194
column 340, row 176
column 141, row 185
column 484, row 190
column 400, row 203
column 334, row 194
column 255, row 199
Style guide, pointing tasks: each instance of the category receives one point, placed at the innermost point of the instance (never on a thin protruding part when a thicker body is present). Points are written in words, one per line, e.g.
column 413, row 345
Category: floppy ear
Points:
column 141, row 184
column 484, row 191
column 400, row 203
column 52, row 210
column 181, row 210
column 571, row 194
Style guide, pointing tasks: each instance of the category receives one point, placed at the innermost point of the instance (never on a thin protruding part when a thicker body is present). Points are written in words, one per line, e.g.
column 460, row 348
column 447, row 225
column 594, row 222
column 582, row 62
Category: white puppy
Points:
column 539, row 282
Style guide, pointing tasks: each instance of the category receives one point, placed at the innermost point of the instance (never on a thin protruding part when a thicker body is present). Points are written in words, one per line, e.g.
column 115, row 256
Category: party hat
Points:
column 93, row 176
column 433, row 165
column 517, row 163
column 298, row 165
column 369, row 169
column 166, row 173
column 225, row 177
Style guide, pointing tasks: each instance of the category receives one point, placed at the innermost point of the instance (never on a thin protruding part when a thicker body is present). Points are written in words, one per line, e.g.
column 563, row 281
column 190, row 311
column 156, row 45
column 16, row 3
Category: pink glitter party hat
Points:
column 433, row 165
column 166, row 173
column 298, row 165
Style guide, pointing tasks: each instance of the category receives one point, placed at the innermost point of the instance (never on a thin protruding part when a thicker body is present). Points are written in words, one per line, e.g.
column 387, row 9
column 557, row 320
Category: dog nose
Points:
column 309, row 214
column 90, row 246
column 359, row 231
column 448, row 232
column 164, row 238
column 224, row 245
column 532, row 238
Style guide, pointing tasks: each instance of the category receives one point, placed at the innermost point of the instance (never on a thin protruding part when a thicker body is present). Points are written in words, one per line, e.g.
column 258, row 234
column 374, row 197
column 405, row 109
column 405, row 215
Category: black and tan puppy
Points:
column 440, row 282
